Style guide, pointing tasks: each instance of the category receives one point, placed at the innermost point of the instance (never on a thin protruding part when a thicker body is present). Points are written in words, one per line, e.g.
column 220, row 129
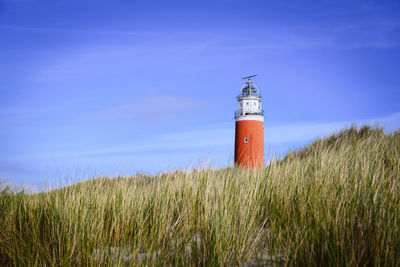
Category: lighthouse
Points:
column 249, row 127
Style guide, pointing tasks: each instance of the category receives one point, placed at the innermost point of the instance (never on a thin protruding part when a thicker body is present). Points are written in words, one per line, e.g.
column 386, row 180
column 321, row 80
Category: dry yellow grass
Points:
column 334, row 203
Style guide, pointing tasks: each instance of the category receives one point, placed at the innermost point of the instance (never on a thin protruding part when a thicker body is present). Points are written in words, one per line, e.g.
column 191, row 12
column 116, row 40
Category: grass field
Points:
column 333, row 203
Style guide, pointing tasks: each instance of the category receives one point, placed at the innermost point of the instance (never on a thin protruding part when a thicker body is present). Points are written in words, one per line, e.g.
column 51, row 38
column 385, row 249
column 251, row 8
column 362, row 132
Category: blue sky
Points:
column 118, row 87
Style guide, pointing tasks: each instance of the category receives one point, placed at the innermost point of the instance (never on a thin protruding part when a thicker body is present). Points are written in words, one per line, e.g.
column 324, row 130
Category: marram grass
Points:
column 333, row 203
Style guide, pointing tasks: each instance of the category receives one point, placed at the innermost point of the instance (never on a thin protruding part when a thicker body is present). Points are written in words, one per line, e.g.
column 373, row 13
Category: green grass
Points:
column 333, row 203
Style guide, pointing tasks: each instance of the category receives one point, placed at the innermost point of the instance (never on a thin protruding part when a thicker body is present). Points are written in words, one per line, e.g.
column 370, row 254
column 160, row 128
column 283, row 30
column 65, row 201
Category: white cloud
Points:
column 305, row 131
column 148, row 108
column 42, row 29
column 182, row 148
column 221, row 136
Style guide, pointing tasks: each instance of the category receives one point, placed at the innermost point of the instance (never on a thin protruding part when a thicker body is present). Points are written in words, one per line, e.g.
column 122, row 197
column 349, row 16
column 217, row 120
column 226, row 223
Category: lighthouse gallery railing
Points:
column 239, row 113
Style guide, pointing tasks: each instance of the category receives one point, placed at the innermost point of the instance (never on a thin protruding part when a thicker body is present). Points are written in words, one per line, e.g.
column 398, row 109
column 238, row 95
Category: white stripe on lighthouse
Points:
column 250, row 118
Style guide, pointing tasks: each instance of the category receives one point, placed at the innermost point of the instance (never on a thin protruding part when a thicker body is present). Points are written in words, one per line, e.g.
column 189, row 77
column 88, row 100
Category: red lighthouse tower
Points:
column 249, row 127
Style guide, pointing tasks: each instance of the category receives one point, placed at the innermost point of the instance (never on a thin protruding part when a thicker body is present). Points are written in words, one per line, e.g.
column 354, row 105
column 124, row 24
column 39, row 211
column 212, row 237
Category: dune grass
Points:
column 333, row 203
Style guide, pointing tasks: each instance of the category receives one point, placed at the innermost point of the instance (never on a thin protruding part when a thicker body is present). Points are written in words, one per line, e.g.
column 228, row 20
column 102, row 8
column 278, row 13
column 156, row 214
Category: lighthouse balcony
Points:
column 239, row 113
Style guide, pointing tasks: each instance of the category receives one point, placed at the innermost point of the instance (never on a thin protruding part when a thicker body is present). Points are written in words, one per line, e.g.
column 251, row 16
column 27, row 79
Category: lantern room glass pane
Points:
column 249, row 91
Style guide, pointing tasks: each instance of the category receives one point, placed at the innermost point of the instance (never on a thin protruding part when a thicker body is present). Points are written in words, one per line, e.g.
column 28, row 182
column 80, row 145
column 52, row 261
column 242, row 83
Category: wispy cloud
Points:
column 306, row 131
column 80, row 31
column 157, row 152
column 149, row 108
column 141, row 110
column 221, row 136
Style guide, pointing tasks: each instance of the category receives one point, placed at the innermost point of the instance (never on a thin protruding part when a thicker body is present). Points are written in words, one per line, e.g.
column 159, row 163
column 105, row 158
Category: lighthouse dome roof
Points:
column 249, row 90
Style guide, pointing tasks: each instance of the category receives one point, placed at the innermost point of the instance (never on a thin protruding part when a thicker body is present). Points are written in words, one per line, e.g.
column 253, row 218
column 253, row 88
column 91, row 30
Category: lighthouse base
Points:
column 249, row 143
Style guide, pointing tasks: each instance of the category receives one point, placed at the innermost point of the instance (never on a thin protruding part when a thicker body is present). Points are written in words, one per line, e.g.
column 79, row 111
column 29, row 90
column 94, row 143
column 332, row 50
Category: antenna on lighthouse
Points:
column 249, row 77
column 249, row 81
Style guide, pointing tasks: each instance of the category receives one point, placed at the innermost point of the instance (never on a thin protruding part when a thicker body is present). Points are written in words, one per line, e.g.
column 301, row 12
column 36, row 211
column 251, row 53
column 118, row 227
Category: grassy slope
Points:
column 335, row 202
